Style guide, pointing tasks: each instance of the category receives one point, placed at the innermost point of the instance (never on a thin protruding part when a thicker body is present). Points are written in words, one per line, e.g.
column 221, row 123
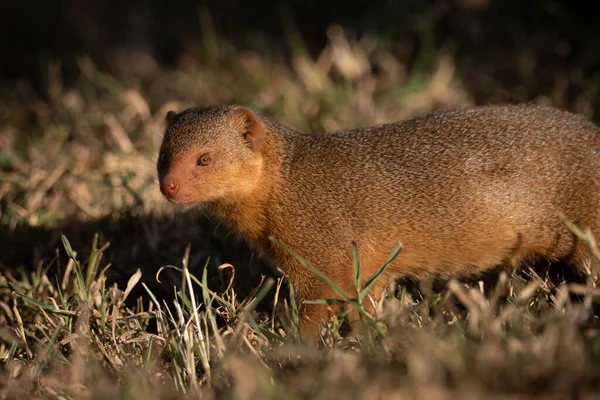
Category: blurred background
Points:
column 84, row 87
column 503, row 50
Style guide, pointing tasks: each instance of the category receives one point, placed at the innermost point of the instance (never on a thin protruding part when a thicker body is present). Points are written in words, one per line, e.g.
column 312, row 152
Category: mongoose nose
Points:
column 169, row 187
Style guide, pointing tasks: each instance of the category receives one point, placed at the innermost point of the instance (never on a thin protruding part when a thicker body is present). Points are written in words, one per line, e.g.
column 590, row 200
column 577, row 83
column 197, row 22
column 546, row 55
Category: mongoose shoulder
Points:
column 462, row 191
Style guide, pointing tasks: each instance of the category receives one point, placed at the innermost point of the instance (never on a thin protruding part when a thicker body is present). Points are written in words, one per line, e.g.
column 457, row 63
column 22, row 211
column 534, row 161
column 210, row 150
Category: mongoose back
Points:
column 462, row 191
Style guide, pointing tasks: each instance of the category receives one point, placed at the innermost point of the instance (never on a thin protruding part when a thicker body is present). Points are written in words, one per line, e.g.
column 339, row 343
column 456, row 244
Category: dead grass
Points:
column 73, row 324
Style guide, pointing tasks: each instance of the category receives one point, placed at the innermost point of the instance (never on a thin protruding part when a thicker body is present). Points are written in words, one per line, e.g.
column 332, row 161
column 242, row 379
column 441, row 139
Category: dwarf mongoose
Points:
column 462, row 191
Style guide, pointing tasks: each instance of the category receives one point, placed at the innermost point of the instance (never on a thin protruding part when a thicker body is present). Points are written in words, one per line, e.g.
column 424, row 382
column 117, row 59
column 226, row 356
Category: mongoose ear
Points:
column 170, row 117
column 249, row 125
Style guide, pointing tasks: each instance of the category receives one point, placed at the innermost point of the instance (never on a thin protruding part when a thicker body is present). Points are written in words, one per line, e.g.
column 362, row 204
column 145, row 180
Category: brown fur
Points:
column 463, row 191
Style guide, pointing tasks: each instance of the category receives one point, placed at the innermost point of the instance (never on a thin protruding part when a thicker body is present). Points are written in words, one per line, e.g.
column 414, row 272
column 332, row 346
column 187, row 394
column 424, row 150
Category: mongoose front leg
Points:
column 369, row 305
column 315, row 316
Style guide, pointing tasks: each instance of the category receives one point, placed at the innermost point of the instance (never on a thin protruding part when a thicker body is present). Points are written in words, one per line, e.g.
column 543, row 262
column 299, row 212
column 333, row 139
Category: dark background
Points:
column 505, row 50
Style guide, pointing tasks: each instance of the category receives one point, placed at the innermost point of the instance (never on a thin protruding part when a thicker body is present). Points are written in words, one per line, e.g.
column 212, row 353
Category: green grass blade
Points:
column 187, row 304
column 71, row 254
column 81, row 282
column 212, row 293
column 262, row 292
column 61, row 296
column 91, row 265
column 295, row 311
column 68, row 248
column 356, row 265
column 380, row 271
column 30, row 300
column 314, row 270
column 204, row 286
column 326, row 302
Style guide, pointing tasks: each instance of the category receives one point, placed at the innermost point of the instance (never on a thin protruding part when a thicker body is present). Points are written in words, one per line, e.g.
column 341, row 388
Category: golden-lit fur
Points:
column 463, row 191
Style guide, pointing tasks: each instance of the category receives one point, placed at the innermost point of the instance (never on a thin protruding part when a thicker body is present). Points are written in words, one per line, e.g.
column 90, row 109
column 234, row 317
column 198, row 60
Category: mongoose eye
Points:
column 162, row 158
column 204, row 160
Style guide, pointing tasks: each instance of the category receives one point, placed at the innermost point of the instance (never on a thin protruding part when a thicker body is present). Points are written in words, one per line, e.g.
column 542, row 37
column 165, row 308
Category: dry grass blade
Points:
column 133, row 280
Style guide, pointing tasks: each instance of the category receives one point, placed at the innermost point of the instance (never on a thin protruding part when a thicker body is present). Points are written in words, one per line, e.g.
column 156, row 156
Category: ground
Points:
column 102, row 285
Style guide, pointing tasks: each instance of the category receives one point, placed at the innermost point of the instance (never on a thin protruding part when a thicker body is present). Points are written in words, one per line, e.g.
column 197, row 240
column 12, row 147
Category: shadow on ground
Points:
column 145, row 243
column 149, row 242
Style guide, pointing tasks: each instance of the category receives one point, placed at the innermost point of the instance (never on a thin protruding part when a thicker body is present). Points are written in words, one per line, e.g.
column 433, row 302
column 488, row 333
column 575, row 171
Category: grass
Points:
column 79, row 339
column 106, row 290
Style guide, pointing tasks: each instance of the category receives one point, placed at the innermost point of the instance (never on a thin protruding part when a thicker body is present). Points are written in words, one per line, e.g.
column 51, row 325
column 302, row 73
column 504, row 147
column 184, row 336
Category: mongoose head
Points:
column 210, row 154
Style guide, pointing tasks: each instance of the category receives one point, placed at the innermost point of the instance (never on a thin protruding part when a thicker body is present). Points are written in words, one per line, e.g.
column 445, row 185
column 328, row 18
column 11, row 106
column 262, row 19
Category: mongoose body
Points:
column 462, row 191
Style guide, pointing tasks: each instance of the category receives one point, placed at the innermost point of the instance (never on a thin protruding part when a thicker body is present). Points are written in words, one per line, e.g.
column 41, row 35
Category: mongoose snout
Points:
column 169, row 187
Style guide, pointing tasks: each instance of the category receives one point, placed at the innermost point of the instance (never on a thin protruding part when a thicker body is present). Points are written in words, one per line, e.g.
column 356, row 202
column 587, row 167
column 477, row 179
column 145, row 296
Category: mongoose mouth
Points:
column 180, row 200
